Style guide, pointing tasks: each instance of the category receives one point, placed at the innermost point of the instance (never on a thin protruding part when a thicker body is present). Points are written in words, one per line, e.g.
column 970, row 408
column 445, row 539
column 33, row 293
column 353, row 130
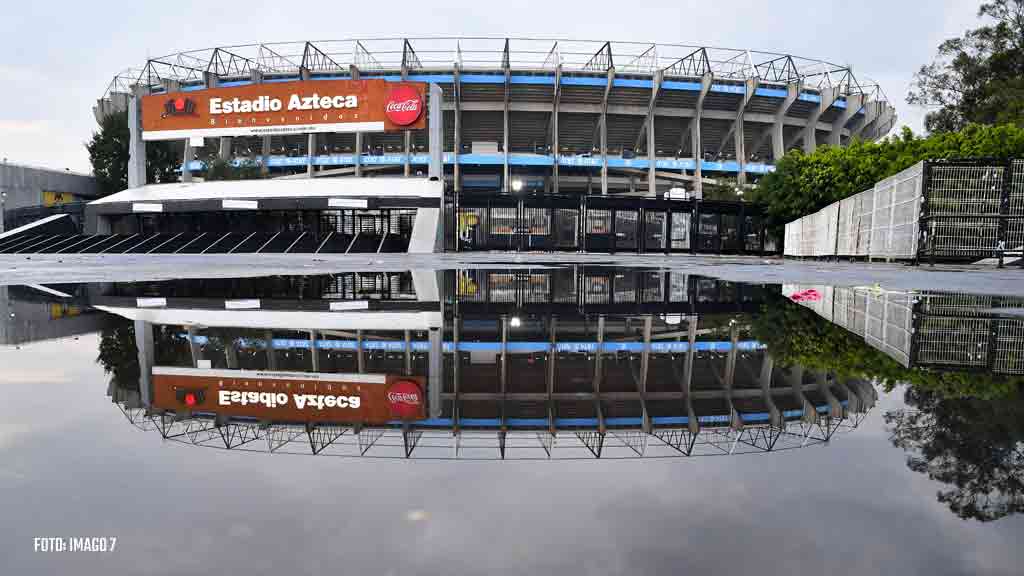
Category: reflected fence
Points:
column 939, row 331
column 949, row 210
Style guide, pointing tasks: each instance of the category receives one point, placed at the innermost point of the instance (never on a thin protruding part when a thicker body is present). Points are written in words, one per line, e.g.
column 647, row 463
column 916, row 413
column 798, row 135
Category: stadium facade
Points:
column 464, row 144
column 552, row 115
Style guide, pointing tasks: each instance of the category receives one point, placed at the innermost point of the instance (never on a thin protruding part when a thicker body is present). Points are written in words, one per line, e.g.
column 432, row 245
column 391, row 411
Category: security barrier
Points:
column 949, row 209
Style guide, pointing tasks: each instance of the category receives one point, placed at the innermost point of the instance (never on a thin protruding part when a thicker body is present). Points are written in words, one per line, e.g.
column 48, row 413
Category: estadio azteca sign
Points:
column 290, row 396
column 285, row 108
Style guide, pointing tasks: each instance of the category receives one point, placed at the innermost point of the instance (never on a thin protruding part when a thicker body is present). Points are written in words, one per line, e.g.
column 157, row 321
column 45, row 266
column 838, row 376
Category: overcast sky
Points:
column 58, row 57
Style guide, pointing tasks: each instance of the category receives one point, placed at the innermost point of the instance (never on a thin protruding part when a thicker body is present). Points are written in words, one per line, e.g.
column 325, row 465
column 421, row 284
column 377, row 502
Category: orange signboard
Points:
column 285, row 108
column 290, row 396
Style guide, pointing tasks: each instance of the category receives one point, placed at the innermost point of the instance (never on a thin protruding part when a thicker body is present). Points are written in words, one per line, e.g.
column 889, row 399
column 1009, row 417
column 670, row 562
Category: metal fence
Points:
column 949, row 210
column 941, row 331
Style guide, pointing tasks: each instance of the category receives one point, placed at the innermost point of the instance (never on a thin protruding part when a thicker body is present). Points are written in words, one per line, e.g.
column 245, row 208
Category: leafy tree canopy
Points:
column 805, row 183
column 978, row 77
column 108, row 154
column 974, row 447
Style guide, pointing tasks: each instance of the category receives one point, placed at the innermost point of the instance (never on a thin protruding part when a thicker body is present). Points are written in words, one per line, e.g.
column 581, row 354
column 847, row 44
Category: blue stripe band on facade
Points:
column 498, row 160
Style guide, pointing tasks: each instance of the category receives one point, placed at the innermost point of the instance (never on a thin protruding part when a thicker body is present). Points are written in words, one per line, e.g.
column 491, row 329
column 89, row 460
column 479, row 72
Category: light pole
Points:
column 3, row 214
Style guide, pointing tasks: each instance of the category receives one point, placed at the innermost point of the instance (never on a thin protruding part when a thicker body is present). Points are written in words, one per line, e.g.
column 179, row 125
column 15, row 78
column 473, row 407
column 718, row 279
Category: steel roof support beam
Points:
column 695, row 137
column 828, row 97
column 315, row 59
column 853, row 105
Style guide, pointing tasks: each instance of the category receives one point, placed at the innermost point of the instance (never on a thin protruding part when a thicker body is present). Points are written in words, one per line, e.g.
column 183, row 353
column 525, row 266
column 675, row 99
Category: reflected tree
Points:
column 119, row 355
column 975, row 447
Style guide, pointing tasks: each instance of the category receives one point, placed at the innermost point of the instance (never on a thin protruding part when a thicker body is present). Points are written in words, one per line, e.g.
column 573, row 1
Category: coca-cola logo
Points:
column 405, row 399
column 404, row 105
column 179, row 107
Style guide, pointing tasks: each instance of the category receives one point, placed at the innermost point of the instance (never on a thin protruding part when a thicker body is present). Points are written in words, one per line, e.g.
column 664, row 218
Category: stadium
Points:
column 541, row 145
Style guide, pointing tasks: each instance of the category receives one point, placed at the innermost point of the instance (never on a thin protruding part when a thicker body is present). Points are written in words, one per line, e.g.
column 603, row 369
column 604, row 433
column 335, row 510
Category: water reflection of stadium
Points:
column 556, row 363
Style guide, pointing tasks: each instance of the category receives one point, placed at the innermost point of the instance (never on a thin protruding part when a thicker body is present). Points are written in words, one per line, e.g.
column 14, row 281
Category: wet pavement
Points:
column 493, row 414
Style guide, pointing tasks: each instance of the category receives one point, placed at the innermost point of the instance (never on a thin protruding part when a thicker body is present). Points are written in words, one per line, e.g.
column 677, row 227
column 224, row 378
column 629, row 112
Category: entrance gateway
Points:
column 280, row 215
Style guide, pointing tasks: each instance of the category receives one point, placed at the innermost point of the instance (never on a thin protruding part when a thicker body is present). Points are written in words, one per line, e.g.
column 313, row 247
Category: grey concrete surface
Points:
column 54, row 268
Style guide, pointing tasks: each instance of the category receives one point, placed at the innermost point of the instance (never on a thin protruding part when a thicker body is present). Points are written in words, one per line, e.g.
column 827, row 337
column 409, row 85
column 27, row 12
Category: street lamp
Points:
column 3, row 213
column 517, row 185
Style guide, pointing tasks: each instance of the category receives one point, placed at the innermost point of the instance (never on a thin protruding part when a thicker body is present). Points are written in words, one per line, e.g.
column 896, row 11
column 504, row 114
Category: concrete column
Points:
column 435, row 127
column 554, row 127
column 147, row 355
column 435, row 378
column 810, row 129
column 359, row 154
column 407, row 152
column 506, row 173
column 314, row 351
column 186, row 172
column 271, row 354
column 739, row 144
column 696, row 143
column 310, row 153
column 604, row 154
column 193, row 347
column 456, row 167
column 604, row 131
column 224, row 148
column 652, row 149
column 853, row 105
column 778, row 134
column 136, row 145
column 230, row 353
column 871, row 112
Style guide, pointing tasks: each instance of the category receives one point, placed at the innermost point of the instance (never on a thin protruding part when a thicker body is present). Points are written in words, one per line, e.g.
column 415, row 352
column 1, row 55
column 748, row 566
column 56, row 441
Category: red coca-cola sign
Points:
column 405, row 400
column 404, row 105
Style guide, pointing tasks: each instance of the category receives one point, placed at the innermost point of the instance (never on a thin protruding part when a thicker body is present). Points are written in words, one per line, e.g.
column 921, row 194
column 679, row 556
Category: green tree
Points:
column 978, row 77
column 975, row 447
column 108, row 154
column 805, row 183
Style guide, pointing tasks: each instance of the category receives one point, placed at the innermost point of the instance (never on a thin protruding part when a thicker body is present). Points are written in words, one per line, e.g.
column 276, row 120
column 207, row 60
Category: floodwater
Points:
column 578, row 419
